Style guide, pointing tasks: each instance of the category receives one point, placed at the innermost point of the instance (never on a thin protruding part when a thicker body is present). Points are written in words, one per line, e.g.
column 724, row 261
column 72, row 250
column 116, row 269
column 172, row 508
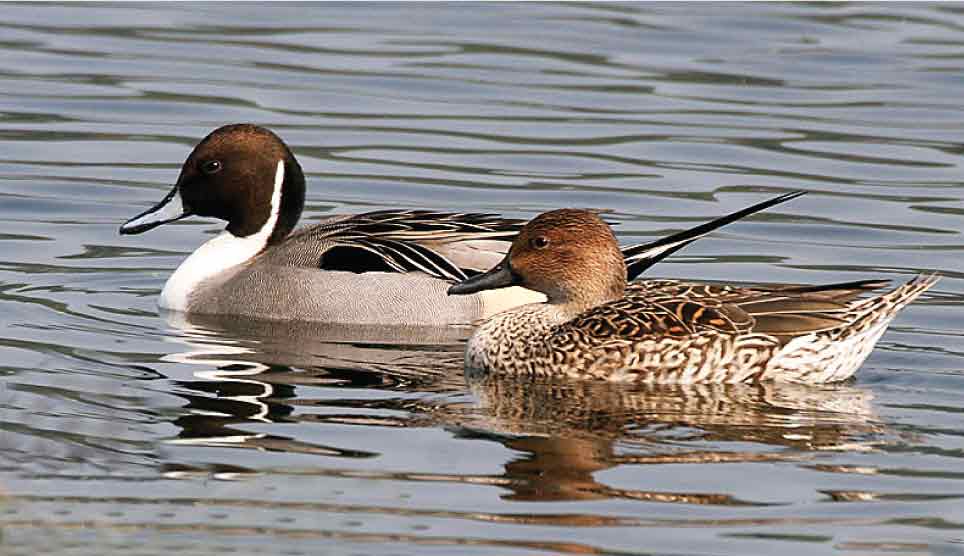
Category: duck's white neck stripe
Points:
column 262, row 235
column 219, row 254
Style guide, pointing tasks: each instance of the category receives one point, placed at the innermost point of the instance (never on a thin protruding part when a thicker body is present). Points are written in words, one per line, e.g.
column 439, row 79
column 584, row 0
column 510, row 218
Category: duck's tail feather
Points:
column 836, row 354
column 641, row 257
column 884, row 307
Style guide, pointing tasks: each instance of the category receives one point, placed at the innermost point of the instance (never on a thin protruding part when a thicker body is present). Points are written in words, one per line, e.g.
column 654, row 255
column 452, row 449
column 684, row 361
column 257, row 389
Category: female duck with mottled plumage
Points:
column 595, row 326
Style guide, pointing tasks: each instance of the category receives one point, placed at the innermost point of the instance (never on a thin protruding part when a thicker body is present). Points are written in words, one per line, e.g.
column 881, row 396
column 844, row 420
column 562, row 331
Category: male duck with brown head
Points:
column 389, row 267
column 595, row 326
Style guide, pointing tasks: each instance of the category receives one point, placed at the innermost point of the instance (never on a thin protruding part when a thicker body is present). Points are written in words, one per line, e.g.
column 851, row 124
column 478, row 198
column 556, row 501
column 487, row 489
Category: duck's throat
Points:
column 507, row 340
column 219, row 255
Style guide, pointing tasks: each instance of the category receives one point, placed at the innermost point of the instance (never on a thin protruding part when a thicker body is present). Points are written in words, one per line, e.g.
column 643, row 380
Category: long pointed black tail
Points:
column 641, row 257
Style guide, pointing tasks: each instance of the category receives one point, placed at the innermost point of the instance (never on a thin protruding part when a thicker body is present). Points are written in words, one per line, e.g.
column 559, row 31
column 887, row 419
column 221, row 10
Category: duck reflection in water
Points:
column 252, row 369
column 562, row 432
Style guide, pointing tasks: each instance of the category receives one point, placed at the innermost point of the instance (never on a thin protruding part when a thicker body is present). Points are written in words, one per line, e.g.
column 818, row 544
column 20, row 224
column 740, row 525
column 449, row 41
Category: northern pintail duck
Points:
column 595, row 326
column 387, row 267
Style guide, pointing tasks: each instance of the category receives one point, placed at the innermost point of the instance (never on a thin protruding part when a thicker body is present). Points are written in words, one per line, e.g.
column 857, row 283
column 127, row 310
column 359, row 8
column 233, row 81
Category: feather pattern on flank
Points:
column 666, row 331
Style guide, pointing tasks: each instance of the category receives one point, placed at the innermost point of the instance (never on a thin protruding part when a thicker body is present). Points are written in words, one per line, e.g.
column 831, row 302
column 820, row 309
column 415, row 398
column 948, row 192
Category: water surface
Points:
column 124, row 431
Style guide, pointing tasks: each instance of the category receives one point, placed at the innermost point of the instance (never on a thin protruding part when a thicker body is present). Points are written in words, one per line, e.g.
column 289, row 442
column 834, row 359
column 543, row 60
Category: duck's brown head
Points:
column 240, row 173
column 570, row 255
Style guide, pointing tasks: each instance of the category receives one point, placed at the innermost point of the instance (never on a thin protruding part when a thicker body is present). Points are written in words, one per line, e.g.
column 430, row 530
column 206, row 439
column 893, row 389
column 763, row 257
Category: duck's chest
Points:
column 216, row 257
column 513, row 341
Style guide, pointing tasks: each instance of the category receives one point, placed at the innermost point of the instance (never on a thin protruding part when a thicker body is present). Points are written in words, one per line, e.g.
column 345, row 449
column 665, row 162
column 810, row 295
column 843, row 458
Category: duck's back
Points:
column 678, row 332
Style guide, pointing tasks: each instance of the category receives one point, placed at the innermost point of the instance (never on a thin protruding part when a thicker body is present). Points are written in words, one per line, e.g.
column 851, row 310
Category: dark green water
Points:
column 122, row 431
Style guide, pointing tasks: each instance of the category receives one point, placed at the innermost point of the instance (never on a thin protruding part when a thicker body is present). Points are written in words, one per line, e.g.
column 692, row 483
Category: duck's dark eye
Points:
column 211, row 167
column 539, row 242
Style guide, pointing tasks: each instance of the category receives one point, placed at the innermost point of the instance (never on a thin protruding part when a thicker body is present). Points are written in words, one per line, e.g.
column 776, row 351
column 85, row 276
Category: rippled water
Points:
column 124, row 431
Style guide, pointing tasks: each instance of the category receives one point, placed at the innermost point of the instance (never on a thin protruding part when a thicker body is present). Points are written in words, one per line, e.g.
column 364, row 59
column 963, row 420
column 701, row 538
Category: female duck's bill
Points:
column 499, row 276
column 595, row 326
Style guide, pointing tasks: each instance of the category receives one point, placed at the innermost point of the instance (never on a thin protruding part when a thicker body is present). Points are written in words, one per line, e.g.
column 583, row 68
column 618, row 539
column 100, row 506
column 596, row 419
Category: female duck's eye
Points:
column 540, row 242
column 211, row 167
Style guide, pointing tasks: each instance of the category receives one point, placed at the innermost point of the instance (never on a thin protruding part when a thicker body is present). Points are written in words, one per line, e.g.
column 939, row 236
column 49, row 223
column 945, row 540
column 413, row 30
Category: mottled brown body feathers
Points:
column 594, row 326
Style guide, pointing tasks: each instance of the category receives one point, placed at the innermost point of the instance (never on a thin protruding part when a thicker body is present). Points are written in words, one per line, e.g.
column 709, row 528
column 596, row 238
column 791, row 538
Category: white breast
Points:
column 219, row 254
